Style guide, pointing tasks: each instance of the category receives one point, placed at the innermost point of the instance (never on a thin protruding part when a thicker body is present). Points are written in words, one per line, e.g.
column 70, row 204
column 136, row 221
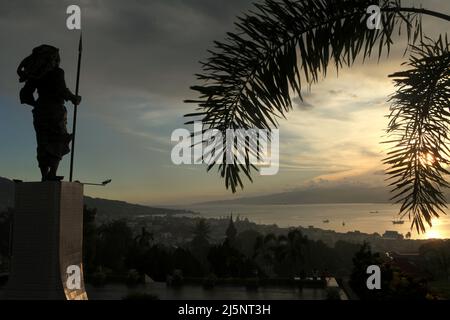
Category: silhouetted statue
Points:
column 40, row 71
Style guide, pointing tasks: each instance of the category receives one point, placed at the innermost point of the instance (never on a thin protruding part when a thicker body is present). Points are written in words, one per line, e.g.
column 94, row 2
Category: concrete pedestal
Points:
column 47, row 242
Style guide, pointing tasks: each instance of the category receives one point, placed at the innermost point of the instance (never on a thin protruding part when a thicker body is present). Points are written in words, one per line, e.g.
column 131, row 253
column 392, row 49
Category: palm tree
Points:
column 285, row 251
column 264, row 252
column 144, row 239
column 437, row 255
column 282, row 46
column 200, row 245
column 292, row 250
column 202, row 230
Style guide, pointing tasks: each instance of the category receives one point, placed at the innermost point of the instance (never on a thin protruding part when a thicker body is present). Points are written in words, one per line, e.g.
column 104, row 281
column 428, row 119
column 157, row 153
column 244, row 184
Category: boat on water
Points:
column 326, row 221
column 374, row 211
column 398, row 221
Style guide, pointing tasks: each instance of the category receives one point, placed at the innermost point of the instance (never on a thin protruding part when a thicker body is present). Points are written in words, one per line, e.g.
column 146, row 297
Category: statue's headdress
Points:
column 42, row 60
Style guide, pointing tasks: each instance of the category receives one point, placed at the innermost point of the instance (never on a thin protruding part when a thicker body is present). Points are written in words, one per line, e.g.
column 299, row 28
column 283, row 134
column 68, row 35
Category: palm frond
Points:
column 419, row 125
column 277, row 49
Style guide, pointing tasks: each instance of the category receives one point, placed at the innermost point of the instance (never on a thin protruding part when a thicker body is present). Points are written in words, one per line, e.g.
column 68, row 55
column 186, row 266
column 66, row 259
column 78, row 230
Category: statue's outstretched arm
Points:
column 64, row 91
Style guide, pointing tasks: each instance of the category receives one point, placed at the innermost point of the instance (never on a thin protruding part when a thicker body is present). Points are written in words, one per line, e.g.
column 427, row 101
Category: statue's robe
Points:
column 50, row 115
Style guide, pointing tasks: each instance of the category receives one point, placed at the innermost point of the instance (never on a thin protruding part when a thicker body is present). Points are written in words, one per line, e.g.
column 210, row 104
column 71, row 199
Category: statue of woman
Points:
column 40, row 71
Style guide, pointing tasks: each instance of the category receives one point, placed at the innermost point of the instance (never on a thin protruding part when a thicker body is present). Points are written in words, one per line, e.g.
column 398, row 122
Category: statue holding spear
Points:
column 41, row 72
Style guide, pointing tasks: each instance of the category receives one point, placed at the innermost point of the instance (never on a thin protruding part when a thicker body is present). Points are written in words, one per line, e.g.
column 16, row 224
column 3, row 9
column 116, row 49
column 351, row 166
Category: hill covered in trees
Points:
column 106, row 208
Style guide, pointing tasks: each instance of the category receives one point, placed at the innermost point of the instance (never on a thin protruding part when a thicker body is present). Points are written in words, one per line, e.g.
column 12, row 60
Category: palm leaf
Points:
column 277, row 49
column 419, row 113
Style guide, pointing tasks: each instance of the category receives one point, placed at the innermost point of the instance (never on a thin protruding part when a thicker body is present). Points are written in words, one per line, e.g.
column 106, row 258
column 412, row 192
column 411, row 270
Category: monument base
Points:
column 47, row 242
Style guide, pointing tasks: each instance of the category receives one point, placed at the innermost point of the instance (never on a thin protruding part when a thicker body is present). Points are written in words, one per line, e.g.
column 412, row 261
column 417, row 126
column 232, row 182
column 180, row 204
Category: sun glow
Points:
column 433, row 234
column 435, row 231
column 427, row 158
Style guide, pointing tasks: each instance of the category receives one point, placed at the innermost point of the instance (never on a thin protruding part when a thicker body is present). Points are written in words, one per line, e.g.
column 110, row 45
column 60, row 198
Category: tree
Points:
column 290, row 252
column 6, row 219
column 89, row 239
column 343, row 254
column 114, row 241
column 202, row 231
column 184, row 260
column 437, row 257
column 282, row 255
column 231, row 231
column 246, row 241
column 200, row 243
column 227, row 261
column 265, row 252
column 395, row 284
column 144, row 239
column 362, row 259
column 136, row 255
column 158, row 262
column 248, row 79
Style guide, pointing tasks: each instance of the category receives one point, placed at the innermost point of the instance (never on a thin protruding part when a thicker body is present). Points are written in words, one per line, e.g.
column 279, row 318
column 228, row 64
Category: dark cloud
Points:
column 150, row 46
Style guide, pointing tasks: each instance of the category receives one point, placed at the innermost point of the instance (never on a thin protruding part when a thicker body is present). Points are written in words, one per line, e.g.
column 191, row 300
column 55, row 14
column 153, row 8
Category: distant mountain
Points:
column 117, row 209
column 343, row 194
column 110, row 208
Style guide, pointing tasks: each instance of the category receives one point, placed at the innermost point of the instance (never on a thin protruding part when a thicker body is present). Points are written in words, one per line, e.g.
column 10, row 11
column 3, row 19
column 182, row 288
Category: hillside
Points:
column 117, row 209
column 343, row 194
column 109, row 208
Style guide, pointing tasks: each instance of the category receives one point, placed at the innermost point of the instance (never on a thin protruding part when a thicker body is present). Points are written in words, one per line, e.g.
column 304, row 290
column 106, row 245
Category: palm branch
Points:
column 276, row 50
column 418, row 128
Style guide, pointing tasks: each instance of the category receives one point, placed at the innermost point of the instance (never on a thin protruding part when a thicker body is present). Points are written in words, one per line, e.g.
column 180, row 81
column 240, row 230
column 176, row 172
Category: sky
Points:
column 139, row 60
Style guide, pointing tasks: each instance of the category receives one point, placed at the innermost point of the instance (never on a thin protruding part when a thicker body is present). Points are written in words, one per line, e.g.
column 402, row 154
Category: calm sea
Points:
column 366, row 217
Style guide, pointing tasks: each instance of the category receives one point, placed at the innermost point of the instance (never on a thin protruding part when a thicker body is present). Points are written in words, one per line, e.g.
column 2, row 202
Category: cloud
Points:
column 302, row 104
column 335, row 92
column 152, row 46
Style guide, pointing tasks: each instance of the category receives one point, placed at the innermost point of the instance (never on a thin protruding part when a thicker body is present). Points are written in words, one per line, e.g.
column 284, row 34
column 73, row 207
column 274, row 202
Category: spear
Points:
column 74, row 127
